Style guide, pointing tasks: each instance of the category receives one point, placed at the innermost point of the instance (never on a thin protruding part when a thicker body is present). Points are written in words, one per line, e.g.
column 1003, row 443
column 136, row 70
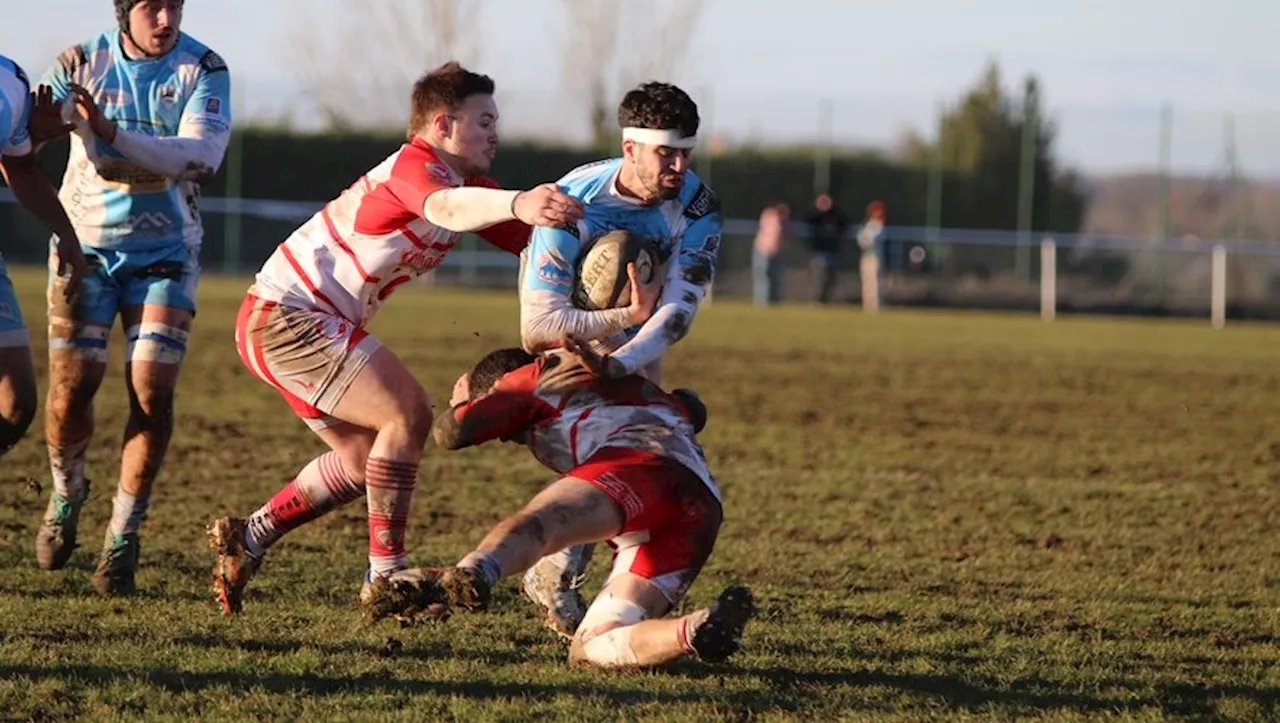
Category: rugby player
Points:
column 652, row 192
column 633, row 474
column 302, row 326
column 152, row 112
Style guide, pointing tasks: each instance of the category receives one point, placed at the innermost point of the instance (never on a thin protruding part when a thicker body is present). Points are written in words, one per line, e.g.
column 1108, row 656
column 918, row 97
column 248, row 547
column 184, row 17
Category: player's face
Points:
column 659, row 169
column 473, row 134
column 154, row 25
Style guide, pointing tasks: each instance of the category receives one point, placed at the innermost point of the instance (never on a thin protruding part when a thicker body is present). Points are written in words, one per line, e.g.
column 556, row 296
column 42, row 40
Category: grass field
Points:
column 943, row 516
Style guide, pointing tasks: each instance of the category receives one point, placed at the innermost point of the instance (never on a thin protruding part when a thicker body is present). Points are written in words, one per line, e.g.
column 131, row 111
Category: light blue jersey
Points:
column 15, row 141
column 174, row 116
column 15, row 109
column 685, row 232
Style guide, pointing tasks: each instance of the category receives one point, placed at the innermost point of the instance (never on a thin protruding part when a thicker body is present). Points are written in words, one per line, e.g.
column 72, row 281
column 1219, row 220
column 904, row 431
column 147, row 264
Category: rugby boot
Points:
column 117, row 564
column 555, row 592
column 720, row 635
column 234, row 566
column 409, row 596
column 56, row 538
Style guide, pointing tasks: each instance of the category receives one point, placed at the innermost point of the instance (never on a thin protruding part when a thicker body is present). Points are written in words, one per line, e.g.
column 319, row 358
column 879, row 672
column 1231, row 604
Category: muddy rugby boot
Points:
column 410, row 596
column 720, row 635
column 556, row 594
column 56, row 538
column 117, row 564
column 234, row 566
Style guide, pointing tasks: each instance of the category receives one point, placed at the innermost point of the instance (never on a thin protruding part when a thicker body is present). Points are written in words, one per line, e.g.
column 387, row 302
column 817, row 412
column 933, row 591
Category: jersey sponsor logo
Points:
column 424, row 260
column 150, row 222
column 440, row 172
column 129, row 177
column 554, row 270
column 169, row 94
column 213, row 105
column 704, row 203
column 212, row 62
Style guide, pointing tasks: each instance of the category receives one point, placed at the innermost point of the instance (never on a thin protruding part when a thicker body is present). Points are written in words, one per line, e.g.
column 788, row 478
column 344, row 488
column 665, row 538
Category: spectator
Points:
column 766, row 265
column 869, row 239
column 827, row 228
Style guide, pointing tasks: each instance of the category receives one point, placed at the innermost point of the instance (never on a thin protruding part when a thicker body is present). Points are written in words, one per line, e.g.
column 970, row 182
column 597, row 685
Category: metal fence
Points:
column 920, row 266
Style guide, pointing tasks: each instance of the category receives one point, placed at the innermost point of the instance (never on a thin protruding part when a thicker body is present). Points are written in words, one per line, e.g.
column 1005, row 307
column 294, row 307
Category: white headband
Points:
column 651, row 137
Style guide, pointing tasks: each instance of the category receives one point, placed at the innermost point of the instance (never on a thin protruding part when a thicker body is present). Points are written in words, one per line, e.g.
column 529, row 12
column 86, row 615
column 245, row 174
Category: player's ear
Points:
column 630, row 149
column 442, row 124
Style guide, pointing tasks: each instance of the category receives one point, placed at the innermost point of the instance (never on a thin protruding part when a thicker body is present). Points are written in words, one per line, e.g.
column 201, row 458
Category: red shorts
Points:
column 672, row 519
column 310, row 356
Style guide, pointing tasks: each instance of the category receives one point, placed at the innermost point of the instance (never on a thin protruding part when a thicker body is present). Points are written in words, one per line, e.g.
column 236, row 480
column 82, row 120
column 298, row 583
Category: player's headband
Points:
column 652, row 137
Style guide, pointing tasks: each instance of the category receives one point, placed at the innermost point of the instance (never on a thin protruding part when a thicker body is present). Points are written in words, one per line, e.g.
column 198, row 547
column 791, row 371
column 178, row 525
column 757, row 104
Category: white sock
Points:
column 127, row 513
column 488, row 567
column 67, row 466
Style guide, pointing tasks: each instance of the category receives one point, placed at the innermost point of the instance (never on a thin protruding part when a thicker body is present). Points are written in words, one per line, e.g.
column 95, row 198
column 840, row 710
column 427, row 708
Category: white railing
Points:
column 470, row 260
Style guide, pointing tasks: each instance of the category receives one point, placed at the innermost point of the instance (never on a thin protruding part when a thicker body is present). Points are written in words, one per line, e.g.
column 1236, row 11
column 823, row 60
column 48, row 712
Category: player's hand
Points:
column 46, row 122
column 88, row 111
column 547, row 205
column 71, row 268
column 644, row 297
column 602, row 365
column 461, row 391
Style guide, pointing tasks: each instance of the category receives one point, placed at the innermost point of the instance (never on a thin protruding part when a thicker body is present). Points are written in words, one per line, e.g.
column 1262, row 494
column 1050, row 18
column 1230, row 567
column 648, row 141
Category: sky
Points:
column 762, row 70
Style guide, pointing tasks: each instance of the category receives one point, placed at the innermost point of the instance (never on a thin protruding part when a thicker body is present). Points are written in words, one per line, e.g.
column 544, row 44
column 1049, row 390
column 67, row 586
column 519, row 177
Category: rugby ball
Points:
column 601, row 280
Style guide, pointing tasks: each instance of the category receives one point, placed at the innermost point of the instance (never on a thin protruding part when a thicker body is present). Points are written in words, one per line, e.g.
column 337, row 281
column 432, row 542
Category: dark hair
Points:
column 659, row 106
column 494, row 366
column 444, row 89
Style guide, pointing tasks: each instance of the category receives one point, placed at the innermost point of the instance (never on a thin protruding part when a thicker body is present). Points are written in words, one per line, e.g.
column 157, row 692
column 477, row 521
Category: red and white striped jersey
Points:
column 566, row 416
column 350, row 256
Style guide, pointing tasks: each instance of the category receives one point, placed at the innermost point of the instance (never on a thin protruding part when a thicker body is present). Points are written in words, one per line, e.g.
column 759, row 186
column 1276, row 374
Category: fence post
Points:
column 1048, row 278
column 1218, row 287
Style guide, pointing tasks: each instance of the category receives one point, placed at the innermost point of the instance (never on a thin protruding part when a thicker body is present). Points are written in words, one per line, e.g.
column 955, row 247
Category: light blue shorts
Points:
column 119, row 279
column 13, row 330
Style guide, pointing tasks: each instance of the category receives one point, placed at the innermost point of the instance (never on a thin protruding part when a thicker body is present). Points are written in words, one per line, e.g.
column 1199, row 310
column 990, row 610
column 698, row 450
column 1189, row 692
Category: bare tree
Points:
column 363, row 79
column 613, row 44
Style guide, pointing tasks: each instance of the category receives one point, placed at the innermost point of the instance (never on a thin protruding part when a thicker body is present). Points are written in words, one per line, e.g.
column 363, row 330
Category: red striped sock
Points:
column 390, row 483
column 321, row 487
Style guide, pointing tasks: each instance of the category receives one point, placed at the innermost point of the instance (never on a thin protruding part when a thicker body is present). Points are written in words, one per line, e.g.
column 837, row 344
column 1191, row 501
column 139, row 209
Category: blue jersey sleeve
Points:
column 64, row 72
column 16, row 140
column 689, row 275
column 547, row 313
column 209, row 107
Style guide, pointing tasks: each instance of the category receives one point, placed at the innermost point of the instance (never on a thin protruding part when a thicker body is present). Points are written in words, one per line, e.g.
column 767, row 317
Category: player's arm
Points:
column 689, row 276
column 547, row 313
column 204, row 132
column 509, row 409
column 36, row 193
column 484, row 207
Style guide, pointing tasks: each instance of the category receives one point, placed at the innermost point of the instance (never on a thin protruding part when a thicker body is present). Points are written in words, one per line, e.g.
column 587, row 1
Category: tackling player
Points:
column 301, row 328
column 632, row 473
column 152, row 113
column 34, row 191
column 651, row 192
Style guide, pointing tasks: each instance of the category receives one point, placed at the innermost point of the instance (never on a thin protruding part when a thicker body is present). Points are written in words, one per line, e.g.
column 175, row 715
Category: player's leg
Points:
column 570, row 511
column 656, row 561
column 77, row 362
column 330, row 481
column 157, row 310
column 386, row 398
column 297, row 352
column 17, row 369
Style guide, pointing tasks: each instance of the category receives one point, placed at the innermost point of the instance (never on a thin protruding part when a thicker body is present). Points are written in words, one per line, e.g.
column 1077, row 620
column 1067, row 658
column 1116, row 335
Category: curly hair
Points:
column 659, row 106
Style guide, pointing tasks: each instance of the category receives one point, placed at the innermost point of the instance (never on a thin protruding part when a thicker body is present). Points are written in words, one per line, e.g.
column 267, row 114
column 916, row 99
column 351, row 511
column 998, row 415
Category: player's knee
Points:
column 153, row 398
column 157, row 343
column 413, row 417
column 17, row 415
